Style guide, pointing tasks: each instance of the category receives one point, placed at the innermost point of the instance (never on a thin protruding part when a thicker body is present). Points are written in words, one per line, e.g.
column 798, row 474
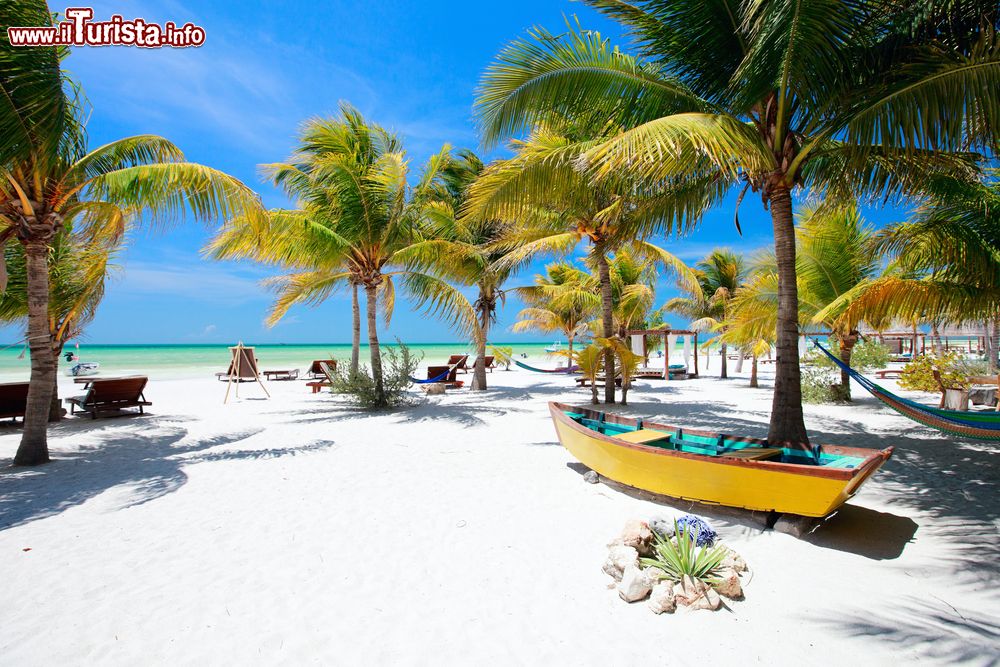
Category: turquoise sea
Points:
column 192, row 360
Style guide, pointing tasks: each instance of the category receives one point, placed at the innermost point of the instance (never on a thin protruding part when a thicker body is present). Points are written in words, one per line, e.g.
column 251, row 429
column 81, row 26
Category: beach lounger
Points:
column 888, row 373
column 105, row 395
column 459, row 361
column 488, row 362
column 13, row 399
column 326, row 371
column 449, row 381
column 247, row 371
column 315, row 371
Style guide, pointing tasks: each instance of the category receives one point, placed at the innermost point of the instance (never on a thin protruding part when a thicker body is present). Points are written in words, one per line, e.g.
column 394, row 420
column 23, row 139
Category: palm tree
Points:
column 633, row 288
column 50, row 181
column 849, row 98
column 752, row 317
column 946, row 261
column 79, row 273
column 720, row 274
column 591, row 363
column 833, row 257
column 557, row 206
column 467, row 249
column 359, row 223
column 559, row 302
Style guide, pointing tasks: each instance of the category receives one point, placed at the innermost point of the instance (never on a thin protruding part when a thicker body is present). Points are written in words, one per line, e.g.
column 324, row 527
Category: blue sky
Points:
column 237, row 101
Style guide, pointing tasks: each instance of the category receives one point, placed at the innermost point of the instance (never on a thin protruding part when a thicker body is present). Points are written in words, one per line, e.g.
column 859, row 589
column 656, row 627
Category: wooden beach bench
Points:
column 282, row 374
column 488, row 363
column 107, row 394
column 889, row 373
column 13, row 399
column 326, row 372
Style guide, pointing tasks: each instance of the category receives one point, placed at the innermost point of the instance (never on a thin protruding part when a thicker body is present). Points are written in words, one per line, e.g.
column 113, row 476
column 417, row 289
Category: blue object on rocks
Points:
column 699, row 528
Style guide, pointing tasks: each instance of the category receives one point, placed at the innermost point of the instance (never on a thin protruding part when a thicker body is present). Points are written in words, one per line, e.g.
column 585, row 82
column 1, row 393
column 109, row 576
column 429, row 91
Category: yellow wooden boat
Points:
column 712, row 467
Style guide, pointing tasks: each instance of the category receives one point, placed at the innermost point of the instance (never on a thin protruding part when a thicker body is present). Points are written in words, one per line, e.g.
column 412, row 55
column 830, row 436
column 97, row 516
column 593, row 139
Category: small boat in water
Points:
column 715, row 468
column 555, row 347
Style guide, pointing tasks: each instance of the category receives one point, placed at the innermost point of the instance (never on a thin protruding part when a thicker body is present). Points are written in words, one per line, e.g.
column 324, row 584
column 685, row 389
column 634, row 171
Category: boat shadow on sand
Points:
column 141, row 461
column 951, row 482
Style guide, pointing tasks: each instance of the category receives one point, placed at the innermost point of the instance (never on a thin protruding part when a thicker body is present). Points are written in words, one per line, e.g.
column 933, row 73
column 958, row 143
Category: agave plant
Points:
column 679, row 555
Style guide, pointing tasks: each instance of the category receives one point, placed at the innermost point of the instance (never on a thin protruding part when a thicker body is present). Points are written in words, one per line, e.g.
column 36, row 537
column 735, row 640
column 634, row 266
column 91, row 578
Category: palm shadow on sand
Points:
column 148, row 459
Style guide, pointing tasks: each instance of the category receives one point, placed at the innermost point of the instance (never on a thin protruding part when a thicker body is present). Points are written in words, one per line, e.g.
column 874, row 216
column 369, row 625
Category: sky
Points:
column 237, row 102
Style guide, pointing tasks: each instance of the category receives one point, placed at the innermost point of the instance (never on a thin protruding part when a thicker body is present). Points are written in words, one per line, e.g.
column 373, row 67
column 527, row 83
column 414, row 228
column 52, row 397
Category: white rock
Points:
column 729, row 585
column 591, row 477
column 620, row 557
column 662, row 599
column 434, row 389
column 635, row 584
column 662, row 526
column 733, row 561
column 637, row 535
column 687, row 590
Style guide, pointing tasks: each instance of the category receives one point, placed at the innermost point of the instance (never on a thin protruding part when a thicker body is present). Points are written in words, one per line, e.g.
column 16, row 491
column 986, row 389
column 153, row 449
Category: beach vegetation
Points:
column 590, row 361
column 846, row 99
column 563, row 300
column 953, row 367
column 361, row 388
column 719, row 274
column 503, row 355
column 680, row 555
column 359, row 223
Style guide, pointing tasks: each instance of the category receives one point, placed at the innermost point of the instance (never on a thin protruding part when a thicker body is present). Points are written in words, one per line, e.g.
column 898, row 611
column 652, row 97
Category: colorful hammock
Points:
column 545, row 370
column 980, row 425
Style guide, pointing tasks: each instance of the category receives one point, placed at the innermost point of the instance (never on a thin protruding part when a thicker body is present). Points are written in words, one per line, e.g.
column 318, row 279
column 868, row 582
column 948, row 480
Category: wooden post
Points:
column 696, row 354
column 666, row 354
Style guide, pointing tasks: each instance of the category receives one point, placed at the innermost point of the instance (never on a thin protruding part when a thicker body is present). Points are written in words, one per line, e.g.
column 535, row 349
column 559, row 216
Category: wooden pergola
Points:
column 665, row 333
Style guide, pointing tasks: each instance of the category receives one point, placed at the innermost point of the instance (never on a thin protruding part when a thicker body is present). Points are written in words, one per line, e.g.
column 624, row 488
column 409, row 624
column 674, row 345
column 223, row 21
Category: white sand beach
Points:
column 297, row 530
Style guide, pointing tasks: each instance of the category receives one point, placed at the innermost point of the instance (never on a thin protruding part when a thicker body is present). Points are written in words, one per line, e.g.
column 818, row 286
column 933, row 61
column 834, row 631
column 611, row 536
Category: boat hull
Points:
column 754, row 485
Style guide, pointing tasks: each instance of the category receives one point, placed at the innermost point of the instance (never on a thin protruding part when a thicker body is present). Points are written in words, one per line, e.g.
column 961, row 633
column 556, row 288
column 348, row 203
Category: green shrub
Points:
column 502, row 356
column 398, row 366
column 680, row 555
column 955, row 369
column 820, row 374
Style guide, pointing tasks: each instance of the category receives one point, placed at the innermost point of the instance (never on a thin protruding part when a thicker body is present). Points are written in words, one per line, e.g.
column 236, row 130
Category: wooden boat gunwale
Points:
column 872, row 458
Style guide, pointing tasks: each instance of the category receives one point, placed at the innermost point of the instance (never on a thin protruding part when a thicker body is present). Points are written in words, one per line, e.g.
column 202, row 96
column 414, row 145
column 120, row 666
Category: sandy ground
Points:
column 296, row 530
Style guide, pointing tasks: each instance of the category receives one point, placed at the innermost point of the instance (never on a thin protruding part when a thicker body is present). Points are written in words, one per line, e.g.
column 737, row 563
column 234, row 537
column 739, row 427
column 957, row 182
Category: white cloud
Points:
column 206, row 283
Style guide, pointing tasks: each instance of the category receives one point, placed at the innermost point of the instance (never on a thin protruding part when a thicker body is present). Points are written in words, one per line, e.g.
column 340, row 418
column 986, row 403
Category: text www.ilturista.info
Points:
column 79, row 30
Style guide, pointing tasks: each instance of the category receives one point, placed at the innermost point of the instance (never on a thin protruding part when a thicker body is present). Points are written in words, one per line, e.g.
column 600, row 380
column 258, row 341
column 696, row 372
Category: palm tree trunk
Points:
column 994, row 343
column 569, row 349
column 479, row 372
column 355, row 329
column 787, row 423
column 371, row 304
column 725, row 373
column 753, row 373
column 847, row 343
column 607, row 321
column 34, row 448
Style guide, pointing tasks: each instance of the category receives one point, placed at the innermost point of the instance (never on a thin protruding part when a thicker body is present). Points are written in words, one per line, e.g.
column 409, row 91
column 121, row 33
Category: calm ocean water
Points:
column 199, row 360
column 187, row 360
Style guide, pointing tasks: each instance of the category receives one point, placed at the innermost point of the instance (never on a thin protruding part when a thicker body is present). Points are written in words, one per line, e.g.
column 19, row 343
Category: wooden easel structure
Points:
column 243, row 368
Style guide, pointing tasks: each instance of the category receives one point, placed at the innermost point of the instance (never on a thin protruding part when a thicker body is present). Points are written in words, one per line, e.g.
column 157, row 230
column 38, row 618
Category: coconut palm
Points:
column 359, row 223
column 849, row 98
column 467, row 250
column 591, row 363
column 561, row 301
column 78, row 274
column 557, row 206
column 50, row 181
column 946, row 260
column 720, row 273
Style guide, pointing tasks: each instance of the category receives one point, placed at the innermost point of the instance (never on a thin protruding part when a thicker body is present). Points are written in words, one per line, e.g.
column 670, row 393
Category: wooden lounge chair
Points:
column 889, row 373
column 326, row 369
column 459, row 361
column 109, row 394
column 488, row 362
column 449, row 382
column 13, row 399
column 315, row 371
column 282, row 375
